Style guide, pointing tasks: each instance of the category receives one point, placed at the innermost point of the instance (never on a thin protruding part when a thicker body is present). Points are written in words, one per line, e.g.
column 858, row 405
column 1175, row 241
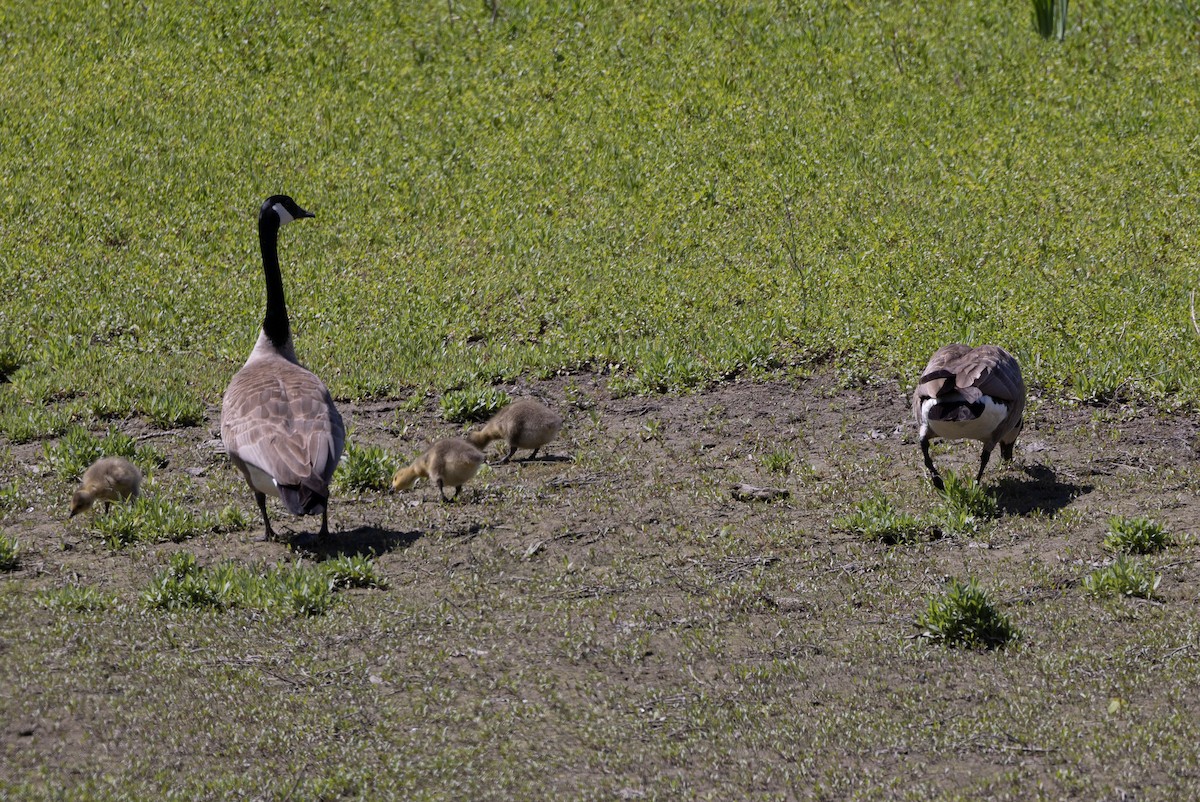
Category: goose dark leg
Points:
column 983, row 461
column 324, row 533
column 532, row 454
column 442, row 490
column 511, row 450
column 1006, row 451
column 107, row 507
column 933, row 473
column 261, row 499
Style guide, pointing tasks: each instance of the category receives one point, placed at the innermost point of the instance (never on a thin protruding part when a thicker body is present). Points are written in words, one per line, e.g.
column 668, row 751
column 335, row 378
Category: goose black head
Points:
column 283, row 209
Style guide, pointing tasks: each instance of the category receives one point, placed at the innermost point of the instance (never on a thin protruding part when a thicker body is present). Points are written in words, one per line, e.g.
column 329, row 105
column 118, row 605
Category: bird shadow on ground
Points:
column 1042, row 492
column 368, row 541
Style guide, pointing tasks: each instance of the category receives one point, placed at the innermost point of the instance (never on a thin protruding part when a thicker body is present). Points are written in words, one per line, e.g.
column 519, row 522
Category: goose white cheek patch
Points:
column 284, row 215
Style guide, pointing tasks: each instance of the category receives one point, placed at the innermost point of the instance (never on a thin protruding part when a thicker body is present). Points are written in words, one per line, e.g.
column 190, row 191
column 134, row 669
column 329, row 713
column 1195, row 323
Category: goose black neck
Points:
column 275, row 322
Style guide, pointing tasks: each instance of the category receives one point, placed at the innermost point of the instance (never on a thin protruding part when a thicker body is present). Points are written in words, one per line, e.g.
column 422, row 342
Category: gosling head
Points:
column 404, row 479
column 81, row 501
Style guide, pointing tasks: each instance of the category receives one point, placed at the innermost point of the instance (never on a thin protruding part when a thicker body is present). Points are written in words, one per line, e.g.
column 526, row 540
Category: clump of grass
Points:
column 285, row 589
column 21, row 423
column 1135, row 536
column 152, row 519
column 170, row 409
column 353, row 571
column 76, row 599
column 10, row 497
column 875, row 518
column 10, row 358
column 778, row 461
column 466, row 406
column 78, row 448
column 1122, row 578
column 964, row 616
column 366, row 468
column 965, row 503
column 10, row 554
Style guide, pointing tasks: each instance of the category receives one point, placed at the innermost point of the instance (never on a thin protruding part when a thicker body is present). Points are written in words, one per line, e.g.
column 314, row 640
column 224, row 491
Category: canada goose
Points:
column 108, row 479
column 977, row 393
column 522, row 424
column 451, row 462
column 278, row 421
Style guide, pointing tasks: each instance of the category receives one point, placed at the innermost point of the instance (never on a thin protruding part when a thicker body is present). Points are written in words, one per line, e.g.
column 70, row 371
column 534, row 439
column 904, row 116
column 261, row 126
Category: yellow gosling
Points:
column 522, row 424
column 447, row 463
column 108, row 479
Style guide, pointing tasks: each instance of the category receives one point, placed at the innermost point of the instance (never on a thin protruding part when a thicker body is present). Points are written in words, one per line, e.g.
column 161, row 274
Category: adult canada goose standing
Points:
column 976, row 393
column 522, row 424
column 278, row 421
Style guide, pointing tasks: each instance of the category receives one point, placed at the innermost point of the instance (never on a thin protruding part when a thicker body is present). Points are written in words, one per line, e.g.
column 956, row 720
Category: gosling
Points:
column 451, row 462
column 522, row 424
column 109, row 479
column 975, row 393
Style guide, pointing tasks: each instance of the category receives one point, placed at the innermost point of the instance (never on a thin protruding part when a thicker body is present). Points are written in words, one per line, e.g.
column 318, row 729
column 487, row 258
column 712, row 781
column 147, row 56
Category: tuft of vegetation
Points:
column 152, row 519
column 174, row 409
column 1122, row 578
column 76, row 599
column 965, row 503
column 1135, row 536
column 353, row 571
column 78, row 448
column 10, row 497
column 964, row 616
column 875, row 518
column 469, row 406
column 10, row 554
column 295, row 589
column 779, row 461
column 365, row 468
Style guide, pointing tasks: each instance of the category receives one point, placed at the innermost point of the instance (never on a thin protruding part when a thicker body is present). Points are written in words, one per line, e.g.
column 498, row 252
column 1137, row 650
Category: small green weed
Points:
column 76, row 599
column 778, row 461
column 464, row 406
column 875, row 518
column 298, row 589
column 78, row 448
column 353, row 571
column 965, row 503
column 1122, row 578
column 965, row 616
column 169, row 410
column 151, row 519
column 1135, row 536
column 10, row 554
column 366, row 468
column 11, row 497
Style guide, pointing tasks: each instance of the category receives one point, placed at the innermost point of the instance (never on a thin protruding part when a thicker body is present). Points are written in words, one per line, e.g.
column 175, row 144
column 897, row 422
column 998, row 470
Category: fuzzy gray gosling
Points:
column 974, row 393
column 108, row 479
column 522, row 424
column 278, row 421
column 447, row 463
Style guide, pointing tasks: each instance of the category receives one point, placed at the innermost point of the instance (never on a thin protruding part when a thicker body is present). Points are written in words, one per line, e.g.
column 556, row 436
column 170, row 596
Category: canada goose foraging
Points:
column 976, row 393
column 451, row 462
column 108, row 479
column 278, row 421
column 522, row 424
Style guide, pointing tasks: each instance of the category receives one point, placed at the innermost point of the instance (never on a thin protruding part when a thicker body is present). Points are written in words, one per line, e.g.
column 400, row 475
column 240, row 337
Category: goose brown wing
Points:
column 933, row 378
column 280, row 418
column 992, row 371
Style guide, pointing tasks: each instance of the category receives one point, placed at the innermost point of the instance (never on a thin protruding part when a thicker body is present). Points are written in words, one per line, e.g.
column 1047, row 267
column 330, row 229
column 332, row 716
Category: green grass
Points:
column 468, row 406
column 965, row 616
column 70, row 455
column 965, row 504
column 294, row 589
column 76, row 599
column 778, row 187
column 154, row 519
column 1135, row 536
column 876, row 518
column 10, row 554
column 1123, row 578
column 365, row 468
